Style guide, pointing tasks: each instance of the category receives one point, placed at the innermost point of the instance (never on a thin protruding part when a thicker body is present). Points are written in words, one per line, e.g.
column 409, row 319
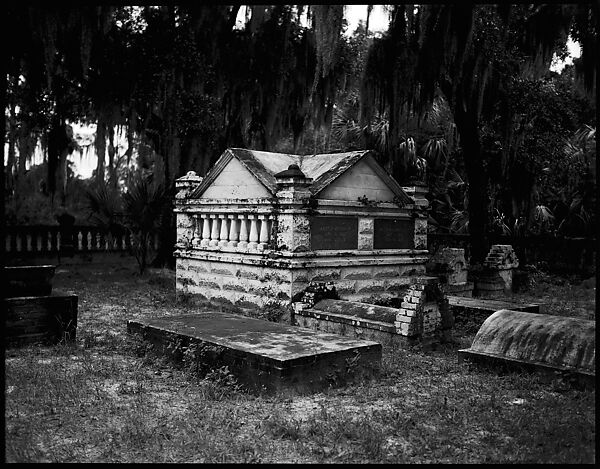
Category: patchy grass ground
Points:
column 104, row 400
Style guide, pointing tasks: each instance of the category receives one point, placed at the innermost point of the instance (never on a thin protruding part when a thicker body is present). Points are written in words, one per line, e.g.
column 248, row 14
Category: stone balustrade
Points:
column 50, row 239
column 232, row 231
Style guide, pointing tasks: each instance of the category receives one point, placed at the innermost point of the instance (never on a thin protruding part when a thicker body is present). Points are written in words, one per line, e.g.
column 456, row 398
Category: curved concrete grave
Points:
column 537, row 340
column 262, row 355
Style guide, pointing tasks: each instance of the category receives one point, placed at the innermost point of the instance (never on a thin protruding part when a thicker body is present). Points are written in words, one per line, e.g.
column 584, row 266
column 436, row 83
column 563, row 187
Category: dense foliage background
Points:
column 460, row 98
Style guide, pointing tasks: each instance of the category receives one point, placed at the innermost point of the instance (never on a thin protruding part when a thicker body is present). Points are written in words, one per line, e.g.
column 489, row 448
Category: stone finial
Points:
column 502, row 257
column 186, row 184
column 293, row 171
column 418, row 194
column 292, row 183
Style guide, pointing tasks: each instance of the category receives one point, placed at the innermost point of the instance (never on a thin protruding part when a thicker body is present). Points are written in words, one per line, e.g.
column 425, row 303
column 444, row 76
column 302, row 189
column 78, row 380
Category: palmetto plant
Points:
column 143, row 204
column 578, row 193
column 138, row 209
column 543, row 220
column 104, row 205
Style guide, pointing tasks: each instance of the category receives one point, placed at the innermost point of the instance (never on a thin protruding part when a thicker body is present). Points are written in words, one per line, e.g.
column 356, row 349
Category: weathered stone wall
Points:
column 450, row 266
column 244, row 285
column 363, row 282
column 255, row 281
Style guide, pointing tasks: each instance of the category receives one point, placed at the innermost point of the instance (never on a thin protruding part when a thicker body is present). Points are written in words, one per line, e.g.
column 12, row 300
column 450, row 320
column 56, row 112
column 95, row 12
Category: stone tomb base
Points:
column 263, row 356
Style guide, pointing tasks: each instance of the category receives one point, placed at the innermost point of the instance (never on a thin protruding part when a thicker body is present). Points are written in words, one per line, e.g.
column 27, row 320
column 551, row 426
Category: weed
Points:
column 102, row 400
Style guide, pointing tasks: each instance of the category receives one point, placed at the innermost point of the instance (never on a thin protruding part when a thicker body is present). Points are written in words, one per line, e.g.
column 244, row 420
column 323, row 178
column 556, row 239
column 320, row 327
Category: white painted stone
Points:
column 358, row 182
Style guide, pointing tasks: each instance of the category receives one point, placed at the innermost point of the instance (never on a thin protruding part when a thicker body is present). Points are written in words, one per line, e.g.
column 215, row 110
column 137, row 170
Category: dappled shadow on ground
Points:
column 104, row 399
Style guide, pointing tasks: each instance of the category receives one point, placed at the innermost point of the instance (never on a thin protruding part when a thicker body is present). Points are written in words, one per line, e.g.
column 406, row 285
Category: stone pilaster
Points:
column 293, row 226
column 185, row 223
column 421, row 233
column 365, row 233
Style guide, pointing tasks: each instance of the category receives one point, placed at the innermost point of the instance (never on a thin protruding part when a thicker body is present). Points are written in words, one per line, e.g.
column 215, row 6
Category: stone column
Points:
column 187, row 228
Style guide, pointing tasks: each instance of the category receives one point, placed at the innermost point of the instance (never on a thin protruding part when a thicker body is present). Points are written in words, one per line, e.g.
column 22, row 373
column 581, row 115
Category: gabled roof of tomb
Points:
column 323, row 169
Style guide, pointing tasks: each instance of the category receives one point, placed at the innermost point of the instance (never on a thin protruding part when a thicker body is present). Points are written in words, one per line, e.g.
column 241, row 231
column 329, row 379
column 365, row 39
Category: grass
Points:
column 104, row 400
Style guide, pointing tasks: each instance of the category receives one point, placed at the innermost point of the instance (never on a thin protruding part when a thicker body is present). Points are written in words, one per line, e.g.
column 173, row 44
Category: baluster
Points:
column 49, row 240
column 214, row 234
column 18, row 239
column 38, row 242
column 58, row 240
column 55, row 240
column 224, row 233
column 7, row 243
column 205, row 230
column 106, row 242
column 98, row 241
column 243, row 243
column 196, row 235
column 28, row 237
column 253, row 238
column 264, row 232
column 89, row 241
column 233, row 231
column 123, row 243
column 82, row 233
column 79, row 241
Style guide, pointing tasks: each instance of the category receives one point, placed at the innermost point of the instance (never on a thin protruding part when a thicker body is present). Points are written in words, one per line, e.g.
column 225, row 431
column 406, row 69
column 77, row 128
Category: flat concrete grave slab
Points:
column 264, row 356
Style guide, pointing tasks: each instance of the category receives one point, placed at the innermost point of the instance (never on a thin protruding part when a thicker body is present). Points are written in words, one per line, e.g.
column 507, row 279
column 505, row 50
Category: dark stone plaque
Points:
column 334, row 233
column 394, row 233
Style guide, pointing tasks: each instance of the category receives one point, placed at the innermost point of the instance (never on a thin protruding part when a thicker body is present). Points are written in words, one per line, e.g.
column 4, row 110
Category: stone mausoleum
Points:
column 260, row 226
